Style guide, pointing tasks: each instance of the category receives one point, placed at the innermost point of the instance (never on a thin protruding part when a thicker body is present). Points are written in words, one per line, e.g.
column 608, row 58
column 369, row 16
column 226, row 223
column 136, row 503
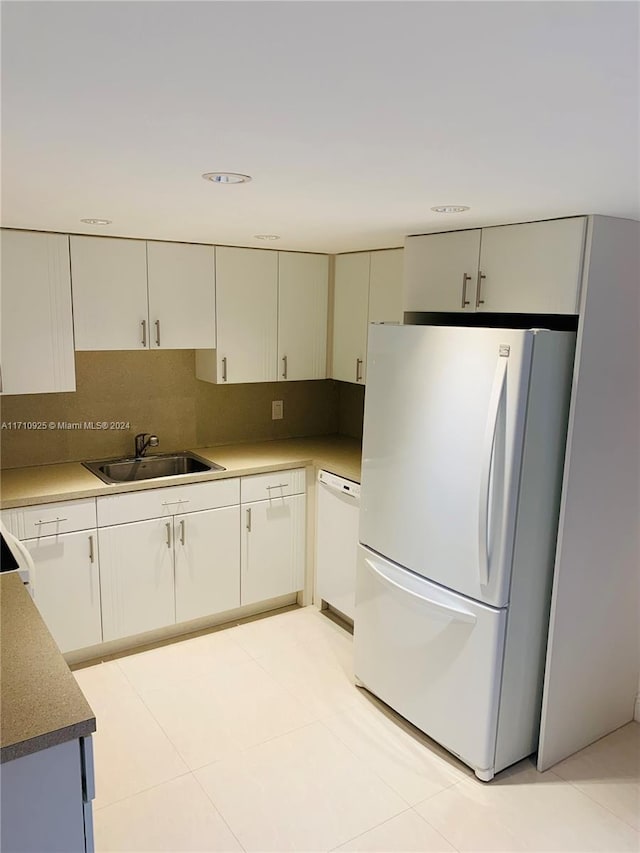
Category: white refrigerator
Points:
column 463, row 448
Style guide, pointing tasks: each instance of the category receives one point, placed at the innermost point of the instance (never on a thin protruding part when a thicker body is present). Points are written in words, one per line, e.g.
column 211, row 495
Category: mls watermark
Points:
column 65, row 425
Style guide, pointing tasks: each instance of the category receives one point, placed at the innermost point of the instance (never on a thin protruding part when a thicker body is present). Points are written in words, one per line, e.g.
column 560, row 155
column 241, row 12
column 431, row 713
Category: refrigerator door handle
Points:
column 488, row 447
column 451, row 612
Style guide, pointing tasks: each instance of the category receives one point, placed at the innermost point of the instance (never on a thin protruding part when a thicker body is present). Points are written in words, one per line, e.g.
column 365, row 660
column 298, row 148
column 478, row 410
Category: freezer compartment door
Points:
column 435, row 657
column 443, row 433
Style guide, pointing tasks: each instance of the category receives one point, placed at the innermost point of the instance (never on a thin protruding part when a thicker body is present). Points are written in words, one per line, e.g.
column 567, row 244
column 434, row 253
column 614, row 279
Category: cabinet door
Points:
column 273, row 548
column 207, row 553
column 440, row 271
column 533, row 268
column 36, row 328
column 109, row 278
column 66, row 587
column 136, row 577
column 303, row 285
column 182, row 305
column 385, row 286
column 247, row 314
column 350, row 310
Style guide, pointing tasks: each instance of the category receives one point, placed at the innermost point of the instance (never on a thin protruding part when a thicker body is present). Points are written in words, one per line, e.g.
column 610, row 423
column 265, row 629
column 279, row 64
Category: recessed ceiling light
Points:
column 97, row 221
column 267, row 236
column 226, row 178
column 450, row 208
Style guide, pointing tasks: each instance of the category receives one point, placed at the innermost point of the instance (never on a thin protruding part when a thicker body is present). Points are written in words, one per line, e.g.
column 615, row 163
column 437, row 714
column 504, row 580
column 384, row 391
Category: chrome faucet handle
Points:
column 144, row 440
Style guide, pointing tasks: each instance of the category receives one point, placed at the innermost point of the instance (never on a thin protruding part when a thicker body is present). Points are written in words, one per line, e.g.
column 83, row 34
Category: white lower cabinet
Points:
column 272, row 554
column 207, row 560
column 136, row 562
column 273, row 548
column 125, row 564
column 66, row 587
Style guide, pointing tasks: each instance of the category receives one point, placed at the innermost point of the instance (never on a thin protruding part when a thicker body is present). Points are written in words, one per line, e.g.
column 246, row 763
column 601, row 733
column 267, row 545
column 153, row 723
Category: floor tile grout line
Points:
column 373, row 770
column 217, row 809
column 141, row 791
column 435, row 828
column 251, row 746
column 593, row 799
column 370, row 829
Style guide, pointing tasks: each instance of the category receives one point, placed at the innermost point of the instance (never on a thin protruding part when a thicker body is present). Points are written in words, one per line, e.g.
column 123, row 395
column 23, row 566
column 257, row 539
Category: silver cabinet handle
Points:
column 224, row 368
column 50, row 520
column 168, row 526
column 157, row 333
column 465, row 278
column 249, row 520
column 481, row 277
column 92, row 558
column 143, row 323
column 179, row 501
column 358, row 373
column 182, row 529
column 284, row 367
column 278, row 486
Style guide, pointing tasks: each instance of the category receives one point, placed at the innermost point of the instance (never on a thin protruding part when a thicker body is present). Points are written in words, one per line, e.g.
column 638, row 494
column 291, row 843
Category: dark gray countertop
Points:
column 41, row 704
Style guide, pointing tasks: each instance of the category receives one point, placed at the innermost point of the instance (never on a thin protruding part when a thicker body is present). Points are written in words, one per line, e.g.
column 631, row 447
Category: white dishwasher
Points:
column 337, row 542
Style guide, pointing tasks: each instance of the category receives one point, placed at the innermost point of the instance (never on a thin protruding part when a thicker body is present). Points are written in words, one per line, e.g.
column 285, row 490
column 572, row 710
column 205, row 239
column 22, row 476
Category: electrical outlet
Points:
column 277, row 410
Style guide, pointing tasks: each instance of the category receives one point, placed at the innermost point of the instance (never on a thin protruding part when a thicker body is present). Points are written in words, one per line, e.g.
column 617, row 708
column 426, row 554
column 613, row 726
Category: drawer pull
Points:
column 279, row 486
column 179, row 501
column 51, row 520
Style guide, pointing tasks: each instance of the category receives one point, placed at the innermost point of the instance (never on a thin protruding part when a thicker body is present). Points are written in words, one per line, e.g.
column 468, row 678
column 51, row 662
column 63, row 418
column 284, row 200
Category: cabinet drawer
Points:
column 31, row 522
column 156, row 503
column 261, row 487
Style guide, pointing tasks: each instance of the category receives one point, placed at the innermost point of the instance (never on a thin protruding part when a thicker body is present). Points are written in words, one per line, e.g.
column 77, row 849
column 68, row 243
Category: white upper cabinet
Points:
column 530, row 268
column 368, row 289
column 441, row 271
column 247, row 315
column 271, row 317
column 109, row 277
column 182, row 303
column 303, row 285
column 36, row 330
column 350, row 316
column 385, row 286
column 133, row 294
column 533, row 268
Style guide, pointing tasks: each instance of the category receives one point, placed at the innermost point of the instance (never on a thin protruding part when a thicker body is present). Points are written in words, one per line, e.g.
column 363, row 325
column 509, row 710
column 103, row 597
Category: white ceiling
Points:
column 354, row 118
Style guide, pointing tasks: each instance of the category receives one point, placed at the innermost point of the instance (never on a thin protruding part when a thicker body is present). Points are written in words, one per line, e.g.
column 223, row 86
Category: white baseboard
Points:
column 636, row 715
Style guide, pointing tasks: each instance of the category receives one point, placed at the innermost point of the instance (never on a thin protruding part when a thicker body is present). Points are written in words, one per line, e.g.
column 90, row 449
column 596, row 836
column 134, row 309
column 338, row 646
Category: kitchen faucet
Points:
column 144, row 440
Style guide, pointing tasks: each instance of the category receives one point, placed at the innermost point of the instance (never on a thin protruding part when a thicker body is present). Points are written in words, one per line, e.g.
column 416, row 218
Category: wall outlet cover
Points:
column 277, row 410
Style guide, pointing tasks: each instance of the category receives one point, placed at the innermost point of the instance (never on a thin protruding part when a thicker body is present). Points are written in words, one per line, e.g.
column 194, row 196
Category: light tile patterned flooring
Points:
column 255, row 738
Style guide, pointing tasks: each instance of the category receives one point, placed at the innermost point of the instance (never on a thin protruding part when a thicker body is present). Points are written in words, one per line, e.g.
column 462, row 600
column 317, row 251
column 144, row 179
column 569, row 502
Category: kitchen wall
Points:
column 350, row 409
column 157, row 392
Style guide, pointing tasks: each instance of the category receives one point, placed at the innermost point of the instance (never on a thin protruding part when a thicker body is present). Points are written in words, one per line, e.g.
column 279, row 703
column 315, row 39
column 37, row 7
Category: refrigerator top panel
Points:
column 443, row 435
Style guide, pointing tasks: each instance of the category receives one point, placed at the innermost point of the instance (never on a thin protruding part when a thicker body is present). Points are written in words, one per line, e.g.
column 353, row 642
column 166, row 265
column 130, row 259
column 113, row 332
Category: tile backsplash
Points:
column 157, row 392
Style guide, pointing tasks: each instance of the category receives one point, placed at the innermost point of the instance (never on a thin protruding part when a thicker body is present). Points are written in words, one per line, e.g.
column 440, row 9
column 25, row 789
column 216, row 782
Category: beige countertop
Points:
column 41, row 704
column 69, row 480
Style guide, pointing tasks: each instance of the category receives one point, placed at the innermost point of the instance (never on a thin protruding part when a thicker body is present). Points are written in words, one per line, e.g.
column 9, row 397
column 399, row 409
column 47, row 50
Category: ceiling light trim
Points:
column 450, row 208
column 226, row 178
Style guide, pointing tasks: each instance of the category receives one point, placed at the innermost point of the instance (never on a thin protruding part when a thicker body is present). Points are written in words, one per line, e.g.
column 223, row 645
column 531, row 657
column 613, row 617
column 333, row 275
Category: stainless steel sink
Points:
column 150, row 467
